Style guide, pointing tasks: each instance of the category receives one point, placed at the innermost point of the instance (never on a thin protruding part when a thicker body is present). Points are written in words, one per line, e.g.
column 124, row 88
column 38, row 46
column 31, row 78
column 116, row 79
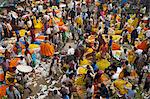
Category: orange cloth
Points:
column 133, row 74
column 142, row 45
column 3, row 91
column 14, row 62
column 47, row 49
column 41, row 37
column 1, row 74
column 115, row 46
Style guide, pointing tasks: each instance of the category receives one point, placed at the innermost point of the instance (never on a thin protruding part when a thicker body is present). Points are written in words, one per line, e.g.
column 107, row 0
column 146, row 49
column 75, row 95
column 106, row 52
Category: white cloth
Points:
column 21, row 24
column 29, row 23
column 71, row 51
column 48, row 31
column 46, row 17
column 139, row 29
column 40, row 8
column 23, row 62
column 116, row 75
column 34, row 9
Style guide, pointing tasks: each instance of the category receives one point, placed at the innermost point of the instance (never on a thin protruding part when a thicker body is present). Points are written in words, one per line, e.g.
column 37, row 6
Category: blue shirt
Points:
column 95, row 67
column 130, row 94
column 110, row 42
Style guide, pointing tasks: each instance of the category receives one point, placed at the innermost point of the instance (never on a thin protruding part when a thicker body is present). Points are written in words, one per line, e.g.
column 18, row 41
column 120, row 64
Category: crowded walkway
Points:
column 75, row 49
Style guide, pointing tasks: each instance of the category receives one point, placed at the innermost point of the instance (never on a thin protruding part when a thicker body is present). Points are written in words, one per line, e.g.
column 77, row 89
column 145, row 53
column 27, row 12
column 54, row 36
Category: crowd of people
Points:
column 98, row 48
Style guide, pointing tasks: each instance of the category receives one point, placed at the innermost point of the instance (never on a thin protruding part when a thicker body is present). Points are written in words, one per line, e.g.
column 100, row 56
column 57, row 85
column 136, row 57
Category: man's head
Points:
column 111, row 37
column 11, row 87
column 55, row 92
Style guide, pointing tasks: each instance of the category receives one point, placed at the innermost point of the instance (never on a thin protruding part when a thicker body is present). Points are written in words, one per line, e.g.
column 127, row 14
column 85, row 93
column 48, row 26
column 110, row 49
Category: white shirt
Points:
column 23, row 62
column 29, row 23
column 9, row 26
column 46, row 17
column 40, row 8
column 34, row 9
column 71, row 51
column 139, row 29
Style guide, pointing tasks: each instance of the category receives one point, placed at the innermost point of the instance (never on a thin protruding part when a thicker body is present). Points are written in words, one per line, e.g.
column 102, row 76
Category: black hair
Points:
column 55, row 92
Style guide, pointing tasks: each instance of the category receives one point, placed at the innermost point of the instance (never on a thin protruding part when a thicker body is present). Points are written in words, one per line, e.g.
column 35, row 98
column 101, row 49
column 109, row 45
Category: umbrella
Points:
column 81, row 70
column 24, row 69
column 121, row 85
column 3, row 90
column 84, row 62
column 103, row 64
column 33, row 46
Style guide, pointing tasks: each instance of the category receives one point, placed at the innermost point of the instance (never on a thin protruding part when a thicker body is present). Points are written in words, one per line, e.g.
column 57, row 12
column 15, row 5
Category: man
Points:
column 72, row 14
column 70, row 51
column 40, row 8
column 72, row 30
column 110, row 45
column 134, row 35
column 13, row 93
